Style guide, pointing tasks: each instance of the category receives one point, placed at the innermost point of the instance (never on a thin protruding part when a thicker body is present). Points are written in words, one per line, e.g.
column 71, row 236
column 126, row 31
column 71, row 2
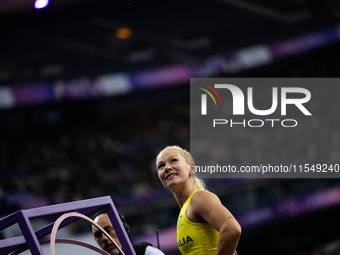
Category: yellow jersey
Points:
column 194, row 238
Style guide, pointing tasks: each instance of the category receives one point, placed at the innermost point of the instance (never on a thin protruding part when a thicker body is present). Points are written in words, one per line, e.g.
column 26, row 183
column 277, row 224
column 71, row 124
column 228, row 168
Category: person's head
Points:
column 103, row 220
column 175, row 161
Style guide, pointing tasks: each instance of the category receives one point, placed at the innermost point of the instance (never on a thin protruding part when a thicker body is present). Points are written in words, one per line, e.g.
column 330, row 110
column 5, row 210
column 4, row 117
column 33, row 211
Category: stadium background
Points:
column 87, row 142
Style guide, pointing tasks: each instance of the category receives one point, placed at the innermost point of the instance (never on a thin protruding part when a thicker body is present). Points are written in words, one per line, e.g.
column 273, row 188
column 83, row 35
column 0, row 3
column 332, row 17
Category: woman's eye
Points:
column 174, row 159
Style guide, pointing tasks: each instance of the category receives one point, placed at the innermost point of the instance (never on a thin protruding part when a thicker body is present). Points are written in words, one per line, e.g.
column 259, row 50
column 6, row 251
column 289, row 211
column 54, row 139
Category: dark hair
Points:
column 122, row 218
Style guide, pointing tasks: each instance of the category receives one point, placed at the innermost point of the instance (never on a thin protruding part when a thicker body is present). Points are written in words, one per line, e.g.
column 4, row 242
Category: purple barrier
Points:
column 85, row 207
column 303, row 43
column 122, row 83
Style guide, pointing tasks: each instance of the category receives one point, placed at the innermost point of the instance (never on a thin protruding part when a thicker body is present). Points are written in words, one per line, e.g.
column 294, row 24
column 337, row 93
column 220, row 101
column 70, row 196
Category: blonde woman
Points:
column 204, row 225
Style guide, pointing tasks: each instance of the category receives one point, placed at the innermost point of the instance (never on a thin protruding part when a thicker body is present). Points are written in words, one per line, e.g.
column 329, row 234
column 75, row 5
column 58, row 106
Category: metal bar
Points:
column 29, row 234
column 9, row 220
column 47, row 229
column 11, row 244
column 120, row 230
column 67, row 207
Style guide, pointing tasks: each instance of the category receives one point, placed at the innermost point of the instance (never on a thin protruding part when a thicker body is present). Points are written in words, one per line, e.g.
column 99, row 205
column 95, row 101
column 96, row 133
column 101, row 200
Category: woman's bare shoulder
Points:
column 204, row 198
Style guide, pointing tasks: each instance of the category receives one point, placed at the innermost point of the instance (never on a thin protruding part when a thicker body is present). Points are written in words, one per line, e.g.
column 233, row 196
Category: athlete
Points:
column 103, row 220
column 204, row 225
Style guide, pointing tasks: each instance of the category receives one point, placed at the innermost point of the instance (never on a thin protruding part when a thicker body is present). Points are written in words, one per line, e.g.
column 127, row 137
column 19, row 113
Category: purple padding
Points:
column 163, row 76
column 37, row 93
column 303, row 43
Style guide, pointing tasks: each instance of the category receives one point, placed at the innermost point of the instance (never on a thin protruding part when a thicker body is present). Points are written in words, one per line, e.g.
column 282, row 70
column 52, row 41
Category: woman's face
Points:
column 172, row 168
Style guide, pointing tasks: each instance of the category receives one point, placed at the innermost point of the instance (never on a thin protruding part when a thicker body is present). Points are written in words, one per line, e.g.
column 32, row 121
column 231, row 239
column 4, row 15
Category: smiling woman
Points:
column 204, row 225
column 188, row 159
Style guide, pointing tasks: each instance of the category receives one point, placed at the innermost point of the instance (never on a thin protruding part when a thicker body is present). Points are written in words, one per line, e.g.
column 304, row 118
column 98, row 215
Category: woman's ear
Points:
column 192, row 169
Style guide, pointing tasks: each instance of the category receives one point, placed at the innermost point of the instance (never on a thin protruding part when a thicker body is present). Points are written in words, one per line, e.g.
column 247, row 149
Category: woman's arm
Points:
column 208, row 207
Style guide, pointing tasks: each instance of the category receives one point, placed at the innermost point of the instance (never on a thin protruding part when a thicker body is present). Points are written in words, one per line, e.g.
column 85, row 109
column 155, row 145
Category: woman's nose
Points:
column 167, row 167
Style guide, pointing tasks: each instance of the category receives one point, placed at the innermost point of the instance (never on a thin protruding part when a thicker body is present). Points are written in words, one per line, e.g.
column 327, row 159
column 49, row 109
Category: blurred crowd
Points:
column 107, row 157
